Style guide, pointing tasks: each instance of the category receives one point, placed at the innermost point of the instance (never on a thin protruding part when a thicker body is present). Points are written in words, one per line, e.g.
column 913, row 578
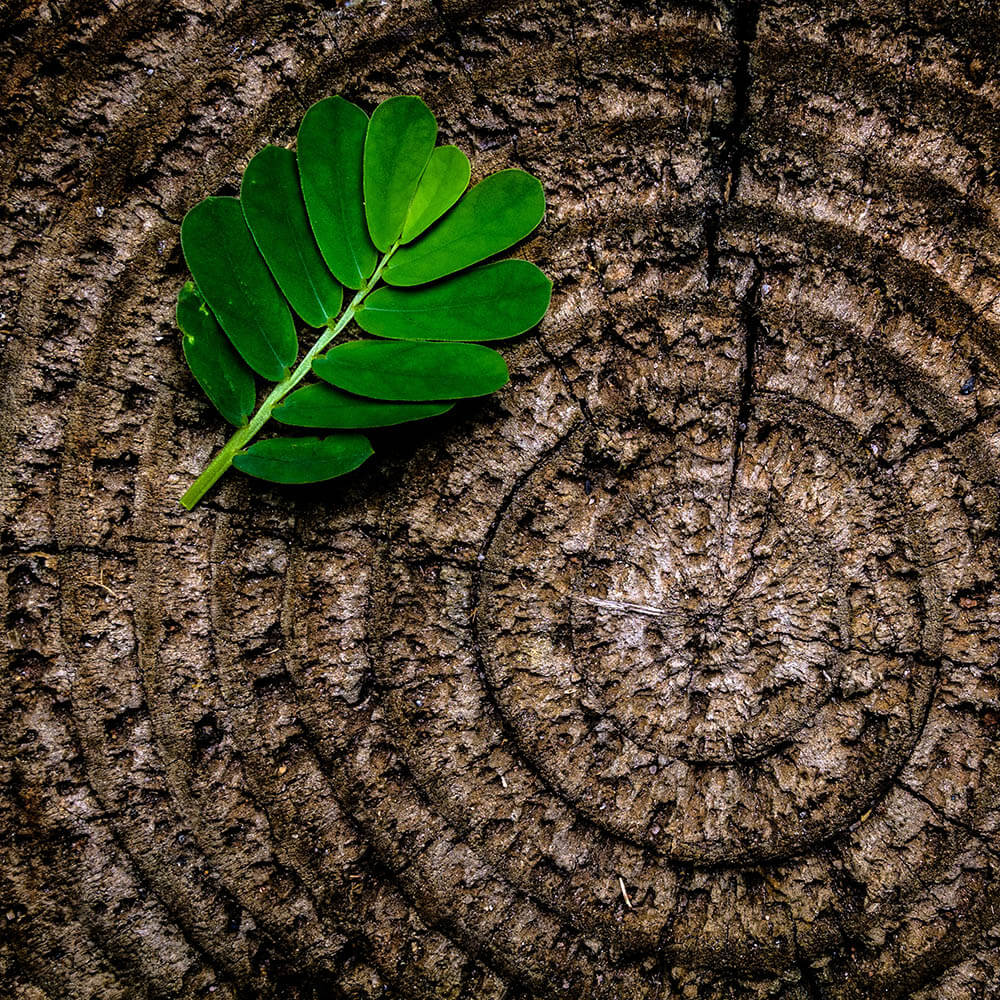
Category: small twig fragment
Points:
column 639, row 609
column 628, row 902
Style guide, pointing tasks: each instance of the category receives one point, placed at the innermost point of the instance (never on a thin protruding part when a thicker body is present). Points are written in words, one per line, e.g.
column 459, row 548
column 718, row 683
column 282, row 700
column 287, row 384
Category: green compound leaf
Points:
column 276, row 214
column 493, row 216
column 443, row 181
column 304, row 460
column 321, row 405
column 218, row 369
column 331, row 146
column 413, row 370
column 233, row 278
column 400, row 140
column 359, row 203
column 487, row 303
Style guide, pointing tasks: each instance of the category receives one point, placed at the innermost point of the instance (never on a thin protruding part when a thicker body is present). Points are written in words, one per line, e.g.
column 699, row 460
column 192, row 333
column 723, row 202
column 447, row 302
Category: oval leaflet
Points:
column 487, row 303
column 413, row 370
column 305, row 459
column 320, row 405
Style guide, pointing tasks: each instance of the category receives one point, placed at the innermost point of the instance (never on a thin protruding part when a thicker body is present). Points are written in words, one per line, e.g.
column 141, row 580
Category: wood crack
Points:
column 746, row 16
column 753, row 331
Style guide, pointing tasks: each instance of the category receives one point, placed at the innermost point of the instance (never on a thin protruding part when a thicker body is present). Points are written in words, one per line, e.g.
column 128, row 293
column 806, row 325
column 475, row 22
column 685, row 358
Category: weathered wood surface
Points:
column 669, row 673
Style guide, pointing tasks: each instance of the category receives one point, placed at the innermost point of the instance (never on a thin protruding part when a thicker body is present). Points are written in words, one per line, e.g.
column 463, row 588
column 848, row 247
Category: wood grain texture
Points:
column 670, row 672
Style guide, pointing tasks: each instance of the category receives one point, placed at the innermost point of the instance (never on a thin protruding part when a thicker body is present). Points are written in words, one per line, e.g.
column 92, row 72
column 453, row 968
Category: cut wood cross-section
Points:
column 669, row 672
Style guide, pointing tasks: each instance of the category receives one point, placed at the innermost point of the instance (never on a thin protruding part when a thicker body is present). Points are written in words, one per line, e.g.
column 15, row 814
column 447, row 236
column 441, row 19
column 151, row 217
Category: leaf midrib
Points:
column 426, row 309
column 306, row 269
column 243, row 286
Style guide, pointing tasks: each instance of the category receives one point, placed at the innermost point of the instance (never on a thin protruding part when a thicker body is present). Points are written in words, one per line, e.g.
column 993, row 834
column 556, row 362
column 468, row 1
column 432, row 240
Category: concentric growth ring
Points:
column 683, row 648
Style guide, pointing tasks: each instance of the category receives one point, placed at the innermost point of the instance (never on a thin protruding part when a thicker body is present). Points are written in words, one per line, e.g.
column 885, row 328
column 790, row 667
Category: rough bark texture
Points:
column 669, row 673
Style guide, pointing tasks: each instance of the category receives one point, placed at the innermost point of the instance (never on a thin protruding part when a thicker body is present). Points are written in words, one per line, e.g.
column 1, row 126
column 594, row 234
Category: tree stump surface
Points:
column 669, row 672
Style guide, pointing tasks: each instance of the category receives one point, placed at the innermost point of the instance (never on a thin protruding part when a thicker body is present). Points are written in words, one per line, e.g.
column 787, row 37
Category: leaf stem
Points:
column 214, row 470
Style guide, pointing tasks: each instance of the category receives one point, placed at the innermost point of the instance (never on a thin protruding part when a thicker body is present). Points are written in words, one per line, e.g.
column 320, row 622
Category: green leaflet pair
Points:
column 375, row 207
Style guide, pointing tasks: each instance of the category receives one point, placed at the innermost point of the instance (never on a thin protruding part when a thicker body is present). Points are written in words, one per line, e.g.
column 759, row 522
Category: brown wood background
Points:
column 670, row 672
